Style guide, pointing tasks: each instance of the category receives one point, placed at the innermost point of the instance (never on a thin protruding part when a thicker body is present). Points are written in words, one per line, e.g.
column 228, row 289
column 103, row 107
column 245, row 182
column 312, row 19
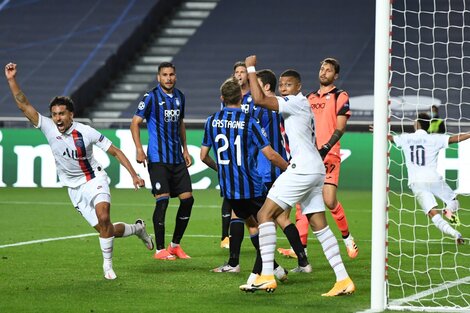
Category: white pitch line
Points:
column 93, row 234
column 419, row 295
column 46, row 240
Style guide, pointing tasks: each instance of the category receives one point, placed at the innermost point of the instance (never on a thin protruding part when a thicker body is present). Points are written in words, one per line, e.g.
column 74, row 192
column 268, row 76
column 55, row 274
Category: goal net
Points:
column 429, row 65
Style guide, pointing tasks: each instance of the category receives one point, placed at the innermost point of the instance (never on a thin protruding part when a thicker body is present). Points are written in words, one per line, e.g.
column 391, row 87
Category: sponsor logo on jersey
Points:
column 172, row 115
column 316, row 106
column 161, row 103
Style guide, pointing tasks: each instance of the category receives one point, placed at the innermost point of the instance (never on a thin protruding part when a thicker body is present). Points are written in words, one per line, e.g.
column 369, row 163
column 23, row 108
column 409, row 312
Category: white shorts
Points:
column 291, row 188
column 425, row 193
column 86, row 196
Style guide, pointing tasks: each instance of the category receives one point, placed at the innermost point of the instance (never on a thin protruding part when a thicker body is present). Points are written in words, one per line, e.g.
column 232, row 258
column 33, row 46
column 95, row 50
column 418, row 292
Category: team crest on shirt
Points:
column 177, row 101
column 79, row 143
column 328, row 97
column 141, row 105
column 249, row 99
column 158, row 186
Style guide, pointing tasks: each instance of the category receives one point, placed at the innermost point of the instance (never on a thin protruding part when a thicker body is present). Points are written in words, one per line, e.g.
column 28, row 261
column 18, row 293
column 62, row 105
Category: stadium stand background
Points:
column 79, row 48
column 76, row 47
column 72, row 47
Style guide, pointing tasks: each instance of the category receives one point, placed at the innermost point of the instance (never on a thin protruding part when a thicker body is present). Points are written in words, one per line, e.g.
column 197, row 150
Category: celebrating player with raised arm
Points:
column 421, row 150
column 301, row 182
column 72, row 146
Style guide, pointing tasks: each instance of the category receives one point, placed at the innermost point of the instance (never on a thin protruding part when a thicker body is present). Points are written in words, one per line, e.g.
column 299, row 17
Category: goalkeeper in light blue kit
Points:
column 421, row 151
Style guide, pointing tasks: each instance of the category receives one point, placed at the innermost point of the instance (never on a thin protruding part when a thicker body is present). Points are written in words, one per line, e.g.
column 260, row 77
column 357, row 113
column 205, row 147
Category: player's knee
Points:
column 453, row 205
column 185, row 208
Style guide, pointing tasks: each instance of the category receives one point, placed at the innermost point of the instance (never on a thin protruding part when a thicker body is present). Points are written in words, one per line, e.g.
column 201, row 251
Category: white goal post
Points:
column 422, row 58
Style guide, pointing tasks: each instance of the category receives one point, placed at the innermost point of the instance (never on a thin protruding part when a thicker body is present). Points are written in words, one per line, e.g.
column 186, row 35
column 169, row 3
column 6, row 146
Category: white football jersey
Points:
column 299, row 125
column 421, row 151
column 73, row 151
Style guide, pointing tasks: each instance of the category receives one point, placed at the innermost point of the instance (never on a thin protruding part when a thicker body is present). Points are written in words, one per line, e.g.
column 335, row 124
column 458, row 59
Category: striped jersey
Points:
column 270, row 121
column 73, row 151
column 163, row 114
column 236, row 139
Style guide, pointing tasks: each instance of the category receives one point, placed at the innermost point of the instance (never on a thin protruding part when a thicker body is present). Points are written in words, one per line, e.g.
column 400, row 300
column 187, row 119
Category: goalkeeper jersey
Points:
column 326, row 107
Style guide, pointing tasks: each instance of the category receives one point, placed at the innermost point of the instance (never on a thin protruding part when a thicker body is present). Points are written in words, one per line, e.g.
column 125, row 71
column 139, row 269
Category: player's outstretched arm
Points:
column 21, row 101
column 268, row 102
column 121, row 157
column 205, row 157
column 274, row 157
column 459, row 137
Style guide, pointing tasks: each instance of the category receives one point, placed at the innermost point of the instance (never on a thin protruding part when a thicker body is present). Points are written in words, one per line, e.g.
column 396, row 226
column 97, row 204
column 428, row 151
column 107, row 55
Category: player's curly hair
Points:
column 62, row 100
column 333, row 62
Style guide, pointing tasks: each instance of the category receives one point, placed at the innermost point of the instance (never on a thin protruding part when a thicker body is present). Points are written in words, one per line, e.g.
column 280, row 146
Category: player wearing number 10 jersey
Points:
column 421, row 151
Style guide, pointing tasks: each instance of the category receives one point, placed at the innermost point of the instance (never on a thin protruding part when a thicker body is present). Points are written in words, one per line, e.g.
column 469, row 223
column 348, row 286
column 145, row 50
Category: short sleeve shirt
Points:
column 73, row 151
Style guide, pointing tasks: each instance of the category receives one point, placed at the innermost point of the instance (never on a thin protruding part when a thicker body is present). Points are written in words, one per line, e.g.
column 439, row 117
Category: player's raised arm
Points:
column 21, row 101
column 259, row 97
column 459, row 137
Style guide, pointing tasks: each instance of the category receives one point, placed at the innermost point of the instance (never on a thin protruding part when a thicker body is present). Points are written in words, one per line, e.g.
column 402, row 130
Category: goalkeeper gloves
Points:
column 324, row 150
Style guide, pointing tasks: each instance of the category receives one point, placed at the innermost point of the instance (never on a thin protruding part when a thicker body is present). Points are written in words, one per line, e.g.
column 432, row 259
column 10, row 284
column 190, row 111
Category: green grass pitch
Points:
column 66, row 276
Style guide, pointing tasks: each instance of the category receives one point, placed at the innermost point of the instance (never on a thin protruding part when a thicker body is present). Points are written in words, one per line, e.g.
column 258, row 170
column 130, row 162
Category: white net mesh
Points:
column 430, row 65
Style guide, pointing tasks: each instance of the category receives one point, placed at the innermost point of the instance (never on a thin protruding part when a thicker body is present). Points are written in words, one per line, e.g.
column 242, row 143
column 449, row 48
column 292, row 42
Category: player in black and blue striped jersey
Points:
column 167, row 157
column 237, row 139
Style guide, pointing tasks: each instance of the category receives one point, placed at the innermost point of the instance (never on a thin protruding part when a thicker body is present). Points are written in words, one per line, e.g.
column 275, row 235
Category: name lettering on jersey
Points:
column 245, row 107
column 172, row 115
column 228, row 124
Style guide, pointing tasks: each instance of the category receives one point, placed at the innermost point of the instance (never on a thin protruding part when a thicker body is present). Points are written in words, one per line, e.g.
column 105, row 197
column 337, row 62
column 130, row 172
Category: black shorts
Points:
column 169, row 178
column 245, row 208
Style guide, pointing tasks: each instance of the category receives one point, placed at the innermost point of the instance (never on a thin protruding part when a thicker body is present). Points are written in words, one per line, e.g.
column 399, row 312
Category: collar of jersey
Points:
column 326, row 92
column 71, row 128
column 421, row 131
column 233, row 109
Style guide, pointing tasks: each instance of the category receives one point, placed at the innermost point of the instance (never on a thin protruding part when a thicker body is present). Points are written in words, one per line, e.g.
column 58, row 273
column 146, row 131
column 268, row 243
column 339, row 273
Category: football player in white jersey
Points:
column 72, row 146
column 421, row 151
column 302, row 181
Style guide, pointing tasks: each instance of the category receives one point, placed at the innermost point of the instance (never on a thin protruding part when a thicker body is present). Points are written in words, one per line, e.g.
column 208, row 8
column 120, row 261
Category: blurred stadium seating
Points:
column 80, row 48
column 61, row 46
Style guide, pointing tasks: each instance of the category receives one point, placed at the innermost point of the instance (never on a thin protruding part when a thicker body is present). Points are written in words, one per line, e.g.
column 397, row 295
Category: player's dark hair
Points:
column 165, row 65
column 62, row 100
column 237, row 64
column 231, row 91
column 267, row 77
column 291, row 73
column 333, row 62
column 423, row 121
